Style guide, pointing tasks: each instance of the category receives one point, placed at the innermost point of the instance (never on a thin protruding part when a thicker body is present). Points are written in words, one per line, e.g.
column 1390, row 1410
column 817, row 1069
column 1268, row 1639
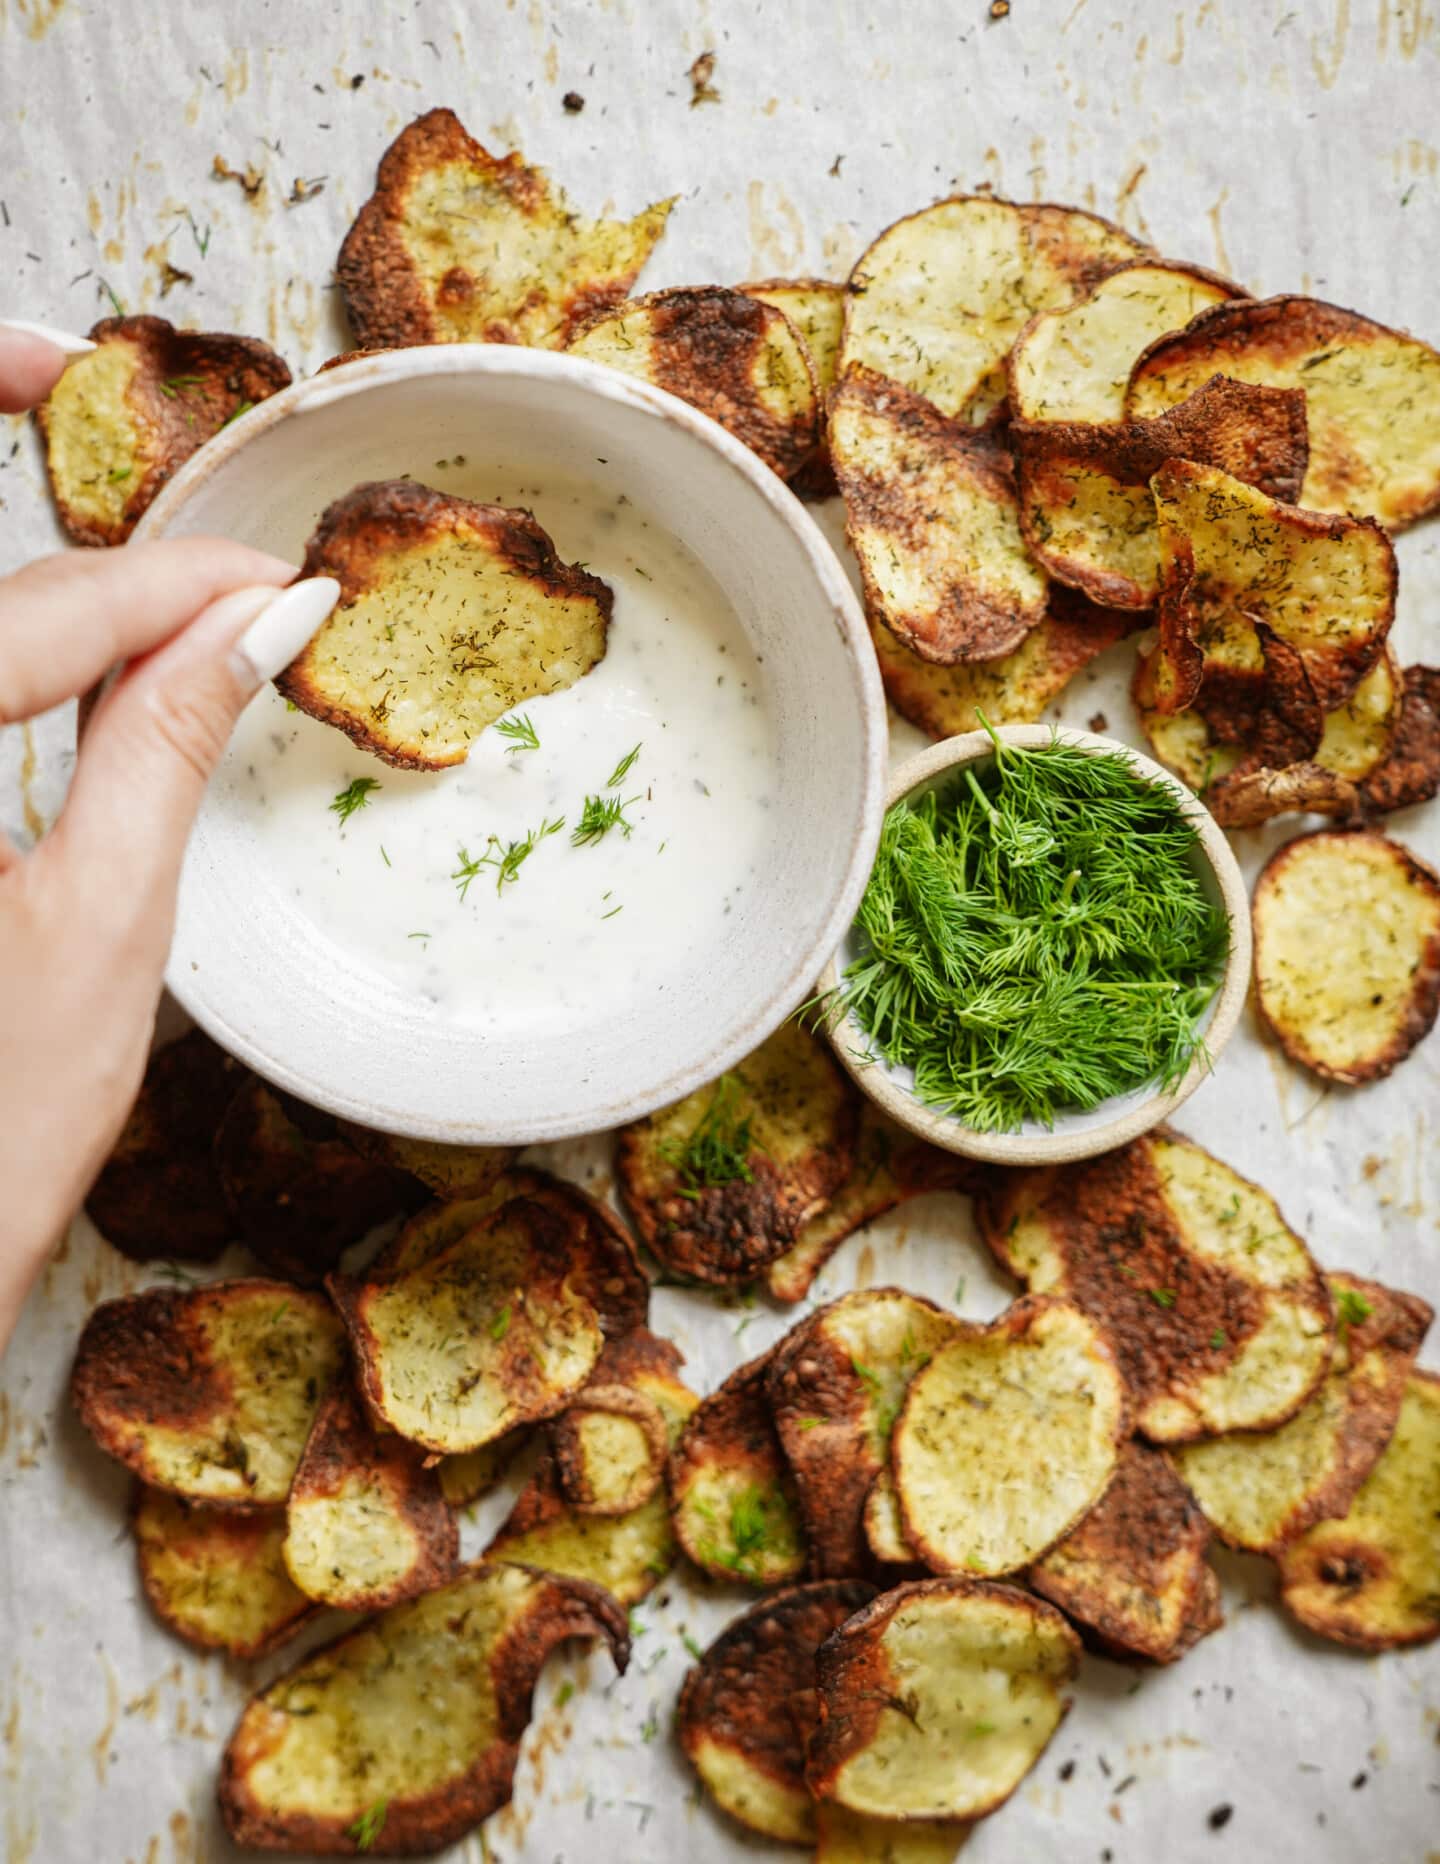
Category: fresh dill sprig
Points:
column 758, row 1522
column 241, row 407
column 174, row 385
column 355, row 796
column 622, row 769
column 598, row 817
column 1035, row 937
column 368, row 1827
column 718, row 1150
column 507, row 860
column 520, row 731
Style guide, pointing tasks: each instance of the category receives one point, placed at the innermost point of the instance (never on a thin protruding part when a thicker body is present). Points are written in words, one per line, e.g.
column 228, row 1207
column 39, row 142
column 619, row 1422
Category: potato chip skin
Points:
column 1411, row 772
column 816, row 307
column 216, row 1576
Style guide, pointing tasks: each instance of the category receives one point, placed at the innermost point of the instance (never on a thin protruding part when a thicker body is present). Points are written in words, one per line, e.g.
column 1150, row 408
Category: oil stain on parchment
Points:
column 1327, row 55
column 777, row 233
column 38, row 16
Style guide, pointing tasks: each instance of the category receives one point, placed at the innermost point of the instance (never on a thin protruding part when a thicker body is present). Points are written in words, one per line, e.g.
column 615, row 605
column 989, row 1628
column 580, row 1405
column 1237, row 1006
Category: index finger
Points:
column 29, row 368
column 66, row 620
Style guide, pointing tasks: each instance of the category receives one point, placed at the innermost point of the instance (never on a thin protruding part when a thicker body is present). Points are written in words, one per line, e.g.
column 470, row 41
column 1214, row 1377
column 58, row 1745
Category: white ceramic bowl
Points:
column 1113, row 1122
column 265, row 984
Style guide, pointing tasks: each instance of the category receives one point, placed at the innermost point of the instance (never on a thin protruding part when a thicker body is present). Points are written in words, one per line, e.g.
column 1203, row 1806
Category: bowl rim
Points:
column 1066, row 1143
column 797, row 964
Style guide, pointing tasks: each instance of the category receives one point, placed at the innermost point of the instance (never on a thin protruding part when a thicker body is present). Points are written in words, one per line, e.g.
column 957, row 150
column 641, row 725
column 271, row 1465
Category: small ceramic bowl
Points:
column 256, row 974
column 1075, row 1135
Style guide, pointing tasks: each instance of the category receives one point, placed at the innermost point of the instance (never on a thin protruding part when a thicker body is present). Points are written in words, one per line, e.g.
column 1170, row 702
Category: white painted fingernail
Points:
column 62, row 339
column 274, row 639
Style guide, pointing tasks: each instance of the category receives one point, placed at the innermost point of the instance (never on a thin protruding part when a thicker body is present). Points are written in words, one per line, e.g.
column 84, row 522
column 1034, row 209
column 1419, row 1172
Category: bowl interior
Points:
column 260, row 975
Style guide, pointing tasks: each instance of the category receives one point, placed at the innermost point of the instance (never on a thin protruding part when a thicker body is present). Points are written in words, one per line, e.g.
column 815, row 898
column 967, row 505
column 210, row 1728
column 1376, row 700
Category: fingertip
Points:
column 30, row 366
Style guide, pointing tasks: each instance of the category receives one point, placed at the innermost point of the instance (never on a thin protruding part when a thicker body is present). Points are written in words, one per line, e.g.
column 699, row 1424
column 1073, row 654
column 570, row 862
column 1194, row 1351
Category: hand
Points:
column 86, row 917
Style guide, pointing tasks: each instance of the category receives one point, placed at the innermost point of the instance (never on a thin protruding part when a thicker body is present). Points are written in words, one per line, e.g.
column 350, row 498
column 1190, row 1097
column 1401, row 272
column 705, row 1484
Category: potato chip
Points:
column 448, row 1172
column 1133, row 1574
column 932, row 516
column 1006, row 1437
column 938, row 299
column 937, row 1699
column 733, row 357
column 215, row 1576
column 473, row 1473
column 1411, row 771
column 885, row 1526
column 1217, row 1315
column 722, row 1182
column 736, row 1719
column 366, row 1524
column 611, row 1448
column 1347, row 952
column 459, row 246
column 735, row 1508
column 127, row 415
column 1372, row 1578
column 407, row 1729
column 208, row 1392
column 816, row 307
column 1073, row 363
column 1372, row 396
column 437, row 1225
column 450, row 613
column 159, row 1192
column 836, row 1387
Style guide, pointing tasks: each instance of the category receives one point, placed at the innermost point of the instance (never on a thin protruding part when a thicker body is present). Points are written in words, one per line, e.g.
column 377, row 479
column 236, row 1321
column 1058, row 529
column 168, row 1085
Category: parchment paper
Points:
column 1290, row 145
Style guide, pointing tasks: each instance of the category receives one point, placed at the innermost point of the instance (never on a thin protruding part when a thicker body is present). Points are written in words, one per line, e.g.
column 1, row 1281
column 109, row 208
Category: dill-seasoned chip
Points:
column 845, row 1837
column 884, row 1526
column 436, row 1226
column 1259, row 1489
column 736, row 1716
column 1347, row 952
column 406, row 1729
column 1411, row 771
column 611, row 1448
column 1372, row 1578
column 816, row 307
column 491, row 1332
column 1231, row 557
column 836, row 1386
column 473, row 1473
column 1006, row 1437
column 627, row 1554
column 215, row 1576
column 721, row 1182
column 208, row 1392
column 159, row 1192
column 733, row 1498
column 1133, row 1574
column 1218, row 1317
column 1073, row 363
column 932, row 516
column 1372, row 396
column 447, row 1172
column 127, row 415
column 736, row 358
column 1086, row 508
column 366, row 1524
column 459, row 246
column 938, row 299
column 937, row 1699
column 450, row 613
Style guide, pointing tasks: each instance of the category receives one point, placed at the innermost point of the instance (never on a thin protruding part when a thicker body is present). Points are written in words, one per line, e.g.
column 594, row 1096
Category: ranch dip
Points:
column 578, row 925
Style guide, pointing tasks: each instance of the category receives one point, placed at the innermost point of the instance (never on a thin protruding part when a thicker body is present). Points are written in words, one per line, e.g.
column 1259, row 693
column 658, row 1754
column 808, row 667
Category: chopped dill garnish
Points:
column 368, row 1827
column 690, row 1645
column 598, row 817
column 506, row 861
column 1035, row 936
column 718, row 1150
column 383, row 856
column 174, row 385
column 241, row 407
column 759, row 1522
column 354, row 797
column 500, row 1326
column 1162, row 1297
column 564, row 1693
column 519, row 731
column 1218, row 1338
column 1351, row 1307
column 119, row 475
column 622, row 769
column 612, row 912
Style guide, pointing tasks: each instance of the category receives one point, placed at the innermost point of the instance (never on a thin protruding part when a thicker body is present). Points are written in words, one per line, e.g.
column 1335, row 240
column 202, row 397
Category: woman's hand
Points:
column 86, row 917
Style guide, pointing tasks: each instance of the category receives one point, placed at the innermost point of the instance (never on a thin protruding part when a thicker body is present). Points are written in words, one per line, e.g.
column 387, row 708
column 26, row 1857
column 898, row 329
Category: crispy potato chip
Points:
column 1230, row 557
column 890, row 1166
column 611, row 1447
column 473, row 1473
column 723, row 1181
column 1372, row 396
column 932, row 516
column 366, row 1524
column 938, row 1699
column 735, row 1717
column 938, row 299
column 1073, row 363
column 1217, row 1315
column 1006, row 1437
column 492, row 1332
column 845, row 1837
column 1260, row 1489
column 626, row 1554
column 127, row 415
column 448, row 1172
column 409, row 1726
column 159, row 1193
column 459, row 246
column 1086, row 507
column 1133, row 1574
column 1347, row 952
column 836, row 1386
column 884, row 1525
column 215, row 1576
column 450, row 613
column 736, row 1512
column 1372, row 1578
column 733, row 357
column 436, row 1226
column 1411, row 771
column 208, row 1392
column 816, row 307
column 299, row 1195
